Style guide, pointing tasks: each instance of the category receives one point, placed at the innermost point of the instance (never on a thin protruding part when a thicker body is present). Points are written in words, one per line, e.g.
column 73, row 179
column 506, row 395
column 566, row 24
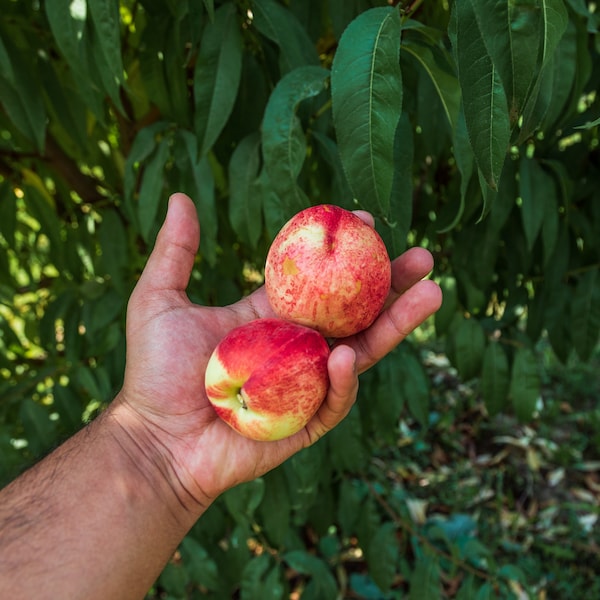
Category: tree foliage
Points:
column 471, row 129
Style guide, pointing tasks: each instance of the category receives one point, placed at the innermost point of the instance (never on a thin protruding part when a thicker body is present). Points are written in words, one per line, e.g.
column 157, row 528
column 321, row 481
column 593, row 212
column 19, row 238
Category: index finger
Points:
column 400, row 318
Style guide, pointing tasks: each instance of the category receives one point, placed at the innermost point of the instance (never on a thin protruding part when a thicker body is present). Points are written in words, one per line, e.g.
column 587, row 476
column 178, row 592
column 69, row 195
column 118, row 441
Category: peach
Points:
column 267, row 378
column 327, row 269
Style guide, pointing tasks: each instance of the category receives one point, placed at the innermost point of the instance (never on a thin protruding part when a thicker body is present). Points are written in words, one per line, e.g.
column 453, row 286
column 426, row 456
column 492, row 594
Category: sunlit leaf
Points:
column 105, row 17
column 67, row 19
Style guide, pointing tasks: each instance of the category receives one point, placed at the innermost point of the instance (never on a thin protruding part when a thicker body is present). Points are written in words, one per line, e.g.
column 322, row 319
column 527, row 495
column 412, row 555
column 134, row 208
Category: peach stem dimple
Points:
column 241, row 399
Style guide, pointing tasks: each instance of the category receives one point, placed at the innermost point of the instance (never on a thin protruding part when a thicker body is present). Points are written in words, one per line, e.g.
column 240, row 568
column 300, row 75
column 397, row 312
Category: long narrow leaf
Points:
column 279, row 25
column 283, row 140
column 525, row 384
column 585, row 320
column 217, row 75
column 245, row 206
column 485, row 106
column 435, row 64
column 366, row 89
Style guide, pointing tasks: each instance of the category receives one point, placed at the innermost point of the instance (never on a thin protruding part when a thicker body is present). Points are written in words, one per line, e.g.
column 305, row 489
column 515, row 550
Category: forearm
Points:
column 97, row 518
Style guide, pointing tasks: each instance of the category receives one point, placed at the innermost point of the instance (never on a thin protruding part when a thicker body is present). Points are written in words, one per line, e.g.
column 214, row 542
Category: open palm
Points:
column 170, row 341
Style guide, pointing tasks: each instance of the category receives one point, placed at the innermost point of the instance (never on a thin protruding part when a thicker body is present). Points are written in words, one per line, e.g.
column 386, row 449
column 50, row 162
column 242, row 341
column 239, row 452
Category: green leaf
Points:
column 40, row 431
column 252, row 584
column 349, row 505
column 329, row 152
column 303, row 472
column 425, row 580
column 174, row 579
column 210, row 8
column 201, row 182
column 101, row 312
column 245, row 205
column 307, row 564
column 485, row 592
column 217, row 75
column 585, row 319
column 85, row 378
column 39, row 206
column 144, row 144
column 347, row 450
column 536, row 186
column 465, row 161
column 589, row 124
column 366, row 90
column 550, row 226
column 151, row 190
column 112, row 238
column 438, row 66
column 485, row 106
column 506, row 197
column 388, row 398
column 278, row 24
column 275, row 508
column 6, row 67
column 8, row 213
column 105, row 17
column 495, row 378
column 469, row 345
column 512, row 33
column 261, row 580
column 525, row 384
column 564, row 66
column 555, row 20
column 69, row 407
column 21, row 94
column 382, row 556
column 399, row 218
column 201, row 567
column 67, row 111
column 283, row 141
column 415, row 387
column 243, row 500
column 67, row 19
column 444, row 316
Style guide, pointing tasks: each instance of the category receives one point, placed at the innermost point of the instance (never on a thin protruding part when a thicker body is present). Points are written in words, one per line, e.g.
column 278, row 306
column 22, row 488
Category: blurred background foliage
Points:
column 469, row 467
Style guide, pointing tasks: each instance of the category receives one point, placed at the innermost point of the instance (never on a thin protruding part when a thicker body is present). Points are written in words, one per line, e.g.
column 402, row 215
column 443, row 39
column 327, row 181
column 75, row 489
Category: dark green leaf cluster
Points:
column 468, row 127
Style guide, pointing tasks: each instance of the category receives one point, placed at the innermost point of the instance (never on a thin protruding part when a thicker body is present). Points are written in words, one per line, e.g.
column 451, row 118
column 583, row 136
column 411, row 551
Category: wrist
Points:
column 152, row 453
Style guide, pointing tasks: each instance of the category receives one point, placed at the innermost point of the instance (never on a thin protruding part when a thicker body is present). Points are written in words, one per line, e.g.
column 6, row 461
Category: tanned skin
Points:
column 101, row 515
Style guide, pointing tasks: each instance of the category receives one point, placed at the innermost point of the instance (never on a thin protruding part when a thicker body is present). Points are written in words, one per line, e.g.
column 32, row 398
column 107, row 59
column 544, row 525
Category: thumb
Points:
column 170, row 264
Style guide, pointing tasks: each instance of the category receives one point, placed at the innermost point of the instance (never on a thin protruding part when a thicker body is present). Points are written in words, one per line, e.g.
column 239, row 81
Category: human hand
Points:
column 170, row 340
